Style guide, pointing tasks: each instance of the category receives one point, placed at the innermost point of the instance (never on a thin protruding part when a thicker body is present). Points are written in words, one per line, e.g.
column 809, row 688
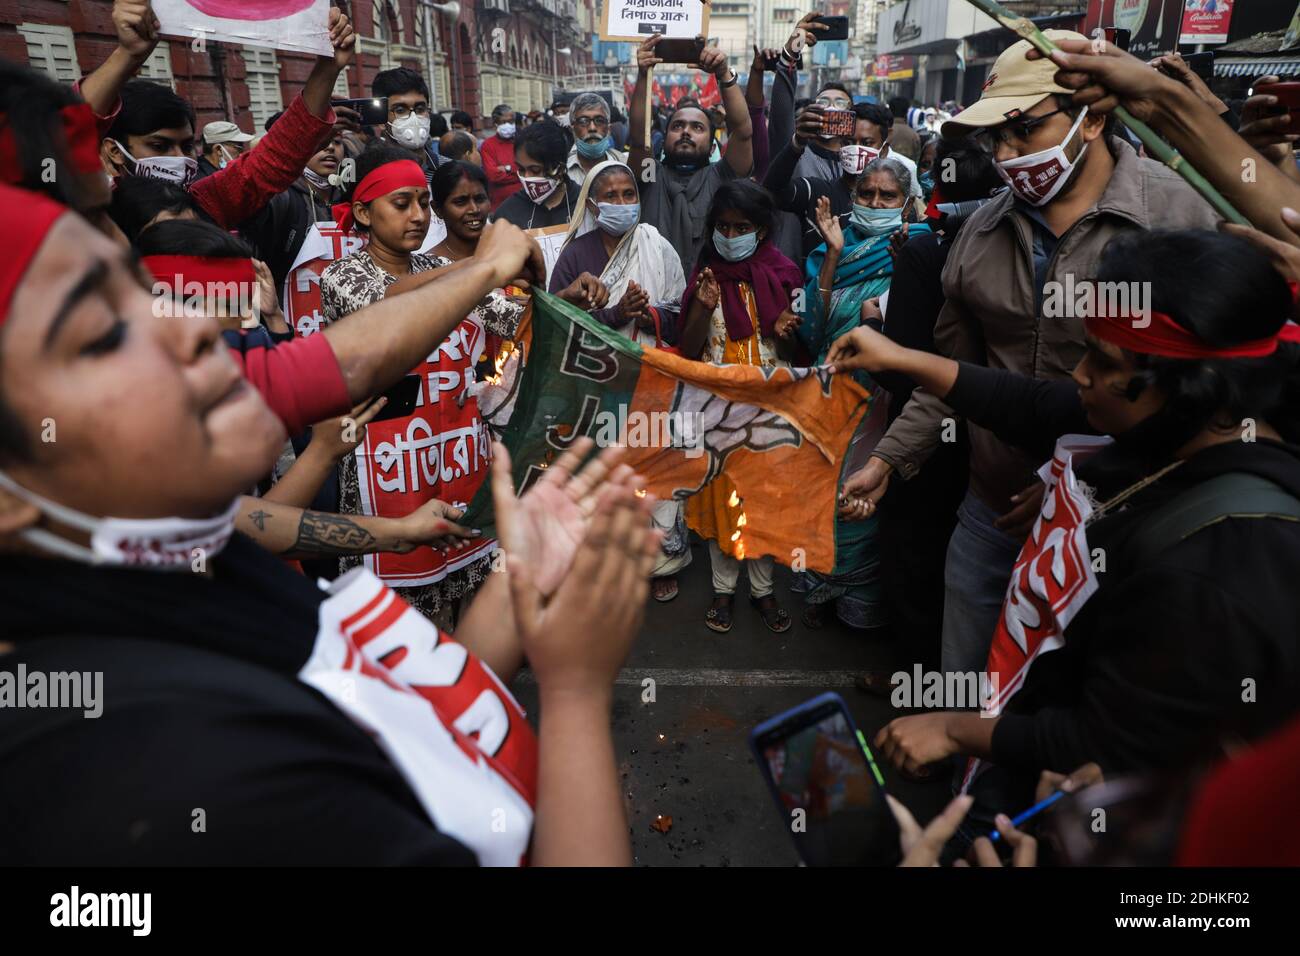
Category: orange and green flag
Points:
column 778, row 435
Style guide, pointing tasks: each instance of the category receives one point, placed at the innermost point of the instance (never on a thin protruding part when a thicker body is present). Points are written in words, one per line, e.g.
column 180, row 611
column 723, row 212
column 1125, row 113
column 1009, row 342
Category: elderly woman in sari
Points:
column 849, row 268
column 643, row 275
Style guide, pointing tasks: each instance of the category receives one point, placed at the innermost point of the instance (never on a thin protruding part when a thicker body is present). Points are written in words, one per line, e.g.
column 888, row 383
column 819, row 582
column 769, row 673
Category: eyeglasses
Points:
column 833, row 103
column 1018, row 129
column 595, row 122
column 401, row 111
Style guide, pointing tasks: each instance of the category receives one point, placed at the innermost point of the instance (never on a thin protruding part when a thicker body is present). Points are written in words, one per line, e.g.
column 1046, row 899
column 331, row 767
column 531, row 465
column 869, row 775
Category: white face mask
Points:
column 164, row 544
column 617, row 218
column 854, row 159
column 564, row 119
column 411, row 131
column 506, row 130
column 539, row 188
column 1038, row 177
column 179, row 170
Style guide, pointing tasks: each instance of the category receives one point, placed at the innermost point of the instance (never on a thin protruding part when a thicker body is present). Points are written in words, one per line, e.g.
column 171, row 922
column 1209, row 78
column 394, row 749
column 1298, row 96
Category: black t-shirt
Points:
column 208, row 749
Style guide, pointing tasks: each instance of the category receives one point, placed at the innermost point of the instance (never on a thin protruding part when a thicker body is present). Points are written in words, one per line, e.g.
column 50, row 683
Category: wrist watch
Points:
column 730, row 81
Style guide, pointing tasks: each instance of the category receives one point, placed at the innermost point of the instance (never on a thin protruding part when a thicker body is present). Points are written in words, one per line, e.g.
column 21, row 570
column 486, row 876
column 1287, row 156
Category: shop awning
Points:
column 1256, row 66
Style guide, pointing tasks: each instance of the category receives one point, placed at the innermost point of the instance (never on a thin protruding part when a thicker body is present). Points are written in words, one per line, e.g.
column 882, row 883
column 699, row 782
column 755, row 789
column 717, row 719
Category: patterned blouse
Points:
column 353, row 283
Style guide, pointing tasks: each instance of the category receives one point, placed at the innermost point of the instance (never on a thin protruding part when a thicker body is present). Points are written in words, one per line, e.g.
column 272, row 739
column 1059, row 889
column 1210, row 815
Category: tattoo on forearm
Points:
column 320, row 533
column 260, row 519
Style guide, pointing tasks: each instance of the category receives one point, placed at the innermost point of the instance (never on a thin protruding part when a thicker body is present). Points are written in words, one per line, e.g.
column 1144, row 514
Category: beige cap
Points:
column 224, row 131
column 1015, row 84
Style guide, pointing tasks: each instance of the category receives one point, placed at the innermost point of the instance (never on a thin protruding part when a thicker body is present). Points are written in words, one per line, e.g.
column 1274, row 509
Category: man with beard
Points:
column 593, row 141
column 677, row 191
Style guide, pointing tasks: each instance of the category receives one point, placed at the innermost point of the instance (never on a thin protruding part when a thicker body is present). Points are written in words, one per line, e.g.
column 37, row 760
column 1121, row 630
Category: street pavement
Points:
column 686, row 755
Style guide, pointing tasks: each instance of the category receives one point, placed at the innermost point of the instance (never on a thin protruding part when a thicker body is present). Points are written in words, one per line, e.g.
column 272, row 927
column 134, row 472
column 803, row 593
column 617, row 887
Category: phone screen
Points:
column 817, row 765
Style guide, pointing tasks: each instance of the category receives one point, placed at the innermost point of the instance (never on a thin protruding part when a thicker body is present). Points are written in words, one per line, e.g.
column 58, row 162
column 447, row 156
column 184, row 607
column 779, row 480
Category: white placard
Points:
column 637, row 19
column 298, row 25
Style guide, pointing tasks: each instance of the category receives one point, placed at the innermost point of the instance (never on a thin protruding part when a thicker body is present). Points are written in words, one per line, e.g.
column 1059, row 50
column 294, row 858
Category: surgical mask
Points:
column 594, row 150
column 178, row 170
column 506, row 130
column 854, row 159
column 316, row 179
column 617, row 218
column 927, row 183
column 1038, row 177
column 539, row 188
column 164, row 544
column 225, row 158
column 876, row 222
column 735, row 248
column 411, row 131
column 563, row 119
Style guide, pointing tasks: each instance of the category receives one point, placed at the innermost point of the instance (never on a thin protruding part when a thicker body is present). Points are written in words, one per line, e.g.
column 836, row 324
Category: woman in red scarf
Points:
column 737, row 305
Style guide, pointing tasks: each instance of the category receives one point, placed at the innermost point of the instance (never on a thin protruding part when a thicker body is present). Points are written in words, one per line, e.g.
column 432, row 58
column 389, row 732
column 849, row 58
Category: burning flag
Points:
column 779, row 435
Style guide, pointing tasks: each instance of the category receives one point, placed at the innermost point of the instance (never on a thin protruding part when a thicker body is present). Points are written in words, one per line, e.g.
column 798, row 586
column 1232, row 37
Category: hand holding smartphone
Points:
column 826, row 785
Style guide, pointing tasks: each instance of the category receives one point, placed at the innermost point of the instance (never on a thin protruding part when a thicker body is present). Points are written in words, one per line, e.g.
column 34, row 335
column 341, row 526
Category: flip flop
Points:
column 718, row 617
column 773, row 615
column 667, row 595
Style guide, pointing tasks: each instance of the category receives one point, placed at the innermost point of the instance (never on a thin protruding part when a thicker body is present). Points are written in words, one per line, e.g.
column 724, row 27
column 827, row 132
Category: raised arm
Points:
column 638, row 148
column 298, row 533
column 740, row 132
column 137, row 35
column 377, row 345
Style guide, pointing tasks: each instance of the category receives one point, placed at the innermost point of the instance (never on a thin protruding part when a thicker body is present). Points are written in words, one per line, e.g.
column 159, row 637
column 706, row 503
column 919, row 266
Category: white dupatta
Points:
column 642, row 256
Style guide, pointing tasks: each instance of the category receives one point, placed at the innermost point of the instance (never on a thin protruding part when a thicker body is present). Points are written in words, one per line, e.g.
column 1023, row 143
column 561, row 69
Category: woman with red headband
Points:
column 440, row 451
column 319, row 727
column 1190, row 639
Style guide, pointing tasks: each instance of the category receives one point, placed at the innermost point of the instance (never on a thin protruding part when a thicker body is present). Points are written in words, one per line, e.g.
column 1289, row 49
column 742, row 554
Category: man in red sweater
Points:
column 498, row 152
column 133, row 143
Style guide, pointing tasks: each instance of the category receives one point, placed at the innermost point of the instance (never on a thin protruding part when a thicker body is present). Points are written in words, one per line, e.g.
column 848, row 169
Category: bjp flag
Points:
column 778, row 434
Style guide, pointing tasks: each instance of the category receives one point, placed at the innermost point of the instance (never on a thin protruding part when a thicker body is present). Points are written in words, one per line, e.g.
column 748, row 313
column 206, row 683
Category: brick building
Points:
column 487, row 52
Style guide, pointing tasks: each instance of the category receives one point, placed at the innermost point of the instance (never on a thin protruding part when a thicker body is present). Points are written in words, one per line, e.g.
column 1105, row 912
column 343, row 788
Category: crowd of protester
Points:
column 913, row 253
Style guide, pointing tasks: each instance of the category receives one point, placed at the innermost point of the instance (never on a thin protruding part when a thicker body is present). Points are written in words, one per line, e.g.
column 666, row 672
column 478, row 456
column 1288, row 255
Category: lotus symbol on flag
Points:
column 725, row 426
column 250, row 9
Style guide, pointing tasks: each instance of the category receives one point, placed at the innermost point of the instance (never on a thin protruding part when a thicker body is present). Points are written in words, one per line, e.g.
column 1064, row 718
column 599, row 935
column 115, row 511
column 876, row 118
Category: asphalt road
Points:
column 686, row 755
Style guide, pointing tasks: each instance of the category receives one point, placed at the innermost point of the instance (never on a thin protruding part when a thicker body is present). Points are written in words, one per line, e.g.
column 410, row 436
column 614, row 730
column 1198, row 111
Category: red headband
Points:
column 1165, row 337
column 380, row 182
column 28, row 217
column 180, row 271
column 80, row 131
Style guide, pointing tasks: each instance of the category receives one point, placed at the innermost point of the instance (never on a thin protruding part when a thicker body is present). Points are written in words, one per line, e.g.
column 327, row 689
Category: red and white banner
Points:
column 325, row 243
column 1052, row 578
column 441, row 451
column 446, row 721
column 1206, row 21
column 299, row 25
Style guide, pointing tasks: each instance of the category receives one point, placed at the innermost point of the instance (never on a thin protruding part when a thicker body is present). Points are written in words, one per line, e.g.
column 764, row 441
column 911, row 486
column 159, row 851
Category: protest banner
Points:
column 635, row 20
column 1206, row 21
column 298, row 25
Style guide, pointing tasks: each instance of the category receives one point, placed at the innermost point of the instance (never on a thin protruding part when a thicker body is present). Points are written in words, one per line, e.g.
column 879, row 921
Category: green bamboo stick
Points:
column 1025, row 28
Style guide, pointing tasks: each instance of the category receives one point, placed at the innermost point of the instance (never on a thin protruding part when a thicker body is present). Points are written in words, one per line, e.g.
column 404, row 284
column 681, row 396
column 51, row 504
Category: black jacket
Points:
column 278, row 231
column 1170, row 659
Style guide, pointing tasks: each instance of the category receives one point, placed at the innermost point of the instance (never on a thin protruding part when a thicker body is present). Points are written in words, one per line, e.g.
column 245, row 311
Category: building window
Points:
column 52, row 50
column 159, row 66
column 263, row 81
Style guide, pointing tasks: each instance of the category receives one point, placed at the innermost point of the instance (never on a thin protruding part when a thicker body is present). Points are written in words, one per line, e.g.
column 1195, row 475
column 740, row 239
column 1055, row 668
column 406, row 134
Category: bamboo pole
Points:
column 1025, row 28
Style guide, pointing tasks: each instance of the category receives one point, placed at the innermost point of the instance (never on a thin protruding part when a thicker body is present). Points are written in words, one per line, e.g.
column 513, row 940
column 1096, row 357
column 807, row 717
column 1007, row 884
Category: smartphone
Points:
column 1288, row 98
column 839, row 28
column 679, row 51
column 839, row 123
column 401, row 399
column 373, row 110
column 826, row 785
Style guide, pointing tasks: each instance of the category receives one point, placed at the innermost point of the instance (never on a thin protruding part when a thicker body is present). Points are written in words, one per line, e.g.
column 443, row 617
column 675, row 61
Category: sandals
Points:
column 665, row 593
column 718, row 616
column 774, row 616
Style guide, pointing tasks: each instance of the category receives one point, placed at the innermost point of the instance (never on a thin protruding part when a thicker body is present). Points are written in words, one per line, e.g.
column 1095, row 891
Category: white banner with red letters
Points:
column 446, row 721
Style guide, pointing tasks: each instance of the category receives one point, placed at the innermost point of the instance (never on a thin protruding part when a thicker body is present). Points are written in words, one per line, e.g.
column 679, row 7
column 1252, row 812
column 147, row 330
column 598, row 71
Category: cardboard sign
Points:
column 298, row 25
column 551, row 239
column 635, row 20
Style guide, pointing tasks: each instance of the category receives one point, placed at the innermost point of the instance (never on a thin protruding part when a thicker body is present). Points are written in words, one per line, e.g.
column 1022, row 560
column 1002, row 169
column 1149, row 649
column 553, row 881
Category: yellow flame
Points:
column 735, row 536
column 740, row 550
column 640, row 492
column 742, row 520
column 734, row 499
